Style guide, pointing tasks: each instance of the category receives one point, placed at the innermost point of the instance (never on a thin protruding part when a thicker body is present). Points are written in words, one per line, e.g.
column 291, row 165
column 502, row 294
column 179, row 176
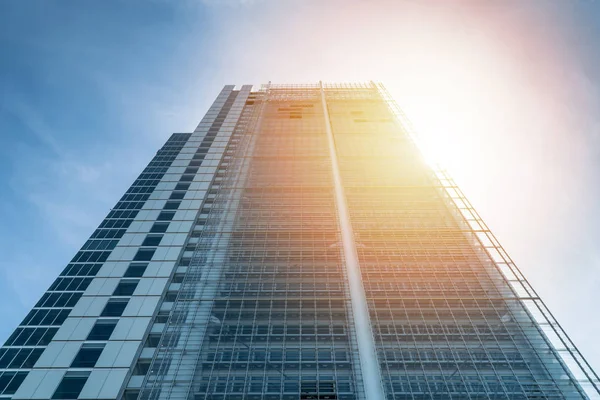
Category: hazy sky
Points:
column 505, row 93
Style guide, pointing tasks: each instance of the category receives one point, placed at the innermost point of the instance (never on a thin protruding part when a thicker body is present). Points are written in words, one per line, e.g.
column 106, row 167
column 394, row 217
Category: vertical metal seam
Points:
column 366, row 344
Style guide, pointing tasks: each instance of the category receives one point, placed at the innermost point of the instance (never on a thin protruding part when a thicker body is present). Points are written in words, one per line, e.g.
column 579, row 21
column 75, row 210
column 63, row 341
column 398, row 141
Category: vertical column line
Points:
column 362, row 323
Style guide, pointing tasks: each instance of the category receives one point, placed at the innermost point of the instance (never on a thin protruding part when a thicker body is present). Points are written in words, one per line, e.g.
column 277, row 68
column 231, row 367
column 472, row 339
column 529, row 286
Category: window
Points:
column 114, row 308
column 31, row 337
column 152, row 240
column 142, row 367
column 153, row 340
column 32, row 358
column 126, row 287
column 177, row 196
column 25, row 358
column 88, row 355
column 71, row 385
column 46, row 317
column 131, row 394
column 7, row 356
column 135, row 270
column 144, row 255
column 172, row 205
column 162, row 317
column 166, row 216
column 182, row 186
column 171, row 296
column 184, row 262
column 102, row 330
column 159, row 227
column 10, row 381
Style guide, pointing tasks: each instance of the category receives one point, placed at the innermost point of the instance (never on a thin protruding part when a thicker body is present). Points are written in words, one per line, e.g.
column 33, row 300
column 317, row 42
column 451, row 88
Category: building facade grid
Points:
column 294, row 246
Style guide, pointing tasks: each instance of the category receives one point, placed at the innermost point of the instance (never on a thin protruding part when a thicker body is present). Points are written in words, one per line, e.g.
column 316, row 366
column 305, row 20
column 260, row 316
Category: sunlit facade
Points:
column 294, row 246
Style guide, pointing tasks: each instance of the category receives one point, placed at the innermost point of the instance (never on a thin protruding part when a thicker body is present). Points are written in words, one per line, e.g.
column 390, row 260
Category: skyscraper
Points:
column 294, row 246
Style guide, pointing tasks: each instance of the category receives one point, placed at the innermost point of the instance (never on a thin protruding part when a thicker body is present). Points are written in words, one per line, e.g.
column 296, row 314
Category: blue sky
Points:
column 90, row 90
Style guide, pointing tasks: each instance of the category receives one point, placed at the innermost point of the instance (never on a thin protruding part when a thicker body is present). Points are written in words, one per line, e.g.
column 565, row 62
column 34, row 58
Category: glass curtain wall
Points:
column 446, row 323
column 280, row 319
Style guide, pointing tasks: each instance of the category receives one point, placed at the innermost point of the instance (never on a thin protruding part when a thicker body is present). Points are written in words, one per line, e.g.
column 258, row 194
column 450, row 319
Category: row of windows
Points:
column 87, row 269
column 251, row 304
column 438, row 355
column 158, row 163
column 292, row 384
column 19, row 358
column 285, row 286
column 167, row 151
column 122, row 214
column 427, row 302
column 140, row 189
column 458, row 387
column 59, row 300
column 135, row 197
column 129, row 205
column 151, row 168
column 155, row 175
column 166, row 154
column 311, row 268
column 115, row 223
column 145, row 182
column 306, row 315
column 10, row 381
column 52, row 316
column 70, row 284
column 179, row 137
column 91, row 256
column 403, row 327
column 277, row 355
column 163, row 159
column 176, row 143
column 283, row 330
column 108, row 234
column 31, row 337
column 100, row 245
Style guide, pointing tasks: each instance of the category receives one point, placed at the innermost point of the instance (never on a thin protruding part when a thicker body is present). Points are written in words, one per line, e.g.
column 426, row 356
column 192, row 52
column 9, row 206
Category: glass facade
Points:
column 294, row 246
